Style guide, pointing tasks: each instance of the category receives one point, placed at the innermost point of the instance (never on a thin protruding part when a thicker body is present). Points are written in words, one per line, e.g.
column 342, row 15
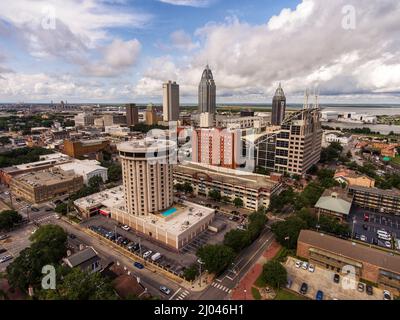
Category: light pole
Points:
column 352, row 229
column 200, row 263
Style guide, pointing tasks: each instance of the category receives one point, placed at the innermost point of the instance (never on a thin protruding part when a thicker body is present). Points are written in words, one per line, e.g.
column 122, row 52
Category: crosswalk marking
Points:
column 183, row 295
column 221, row 287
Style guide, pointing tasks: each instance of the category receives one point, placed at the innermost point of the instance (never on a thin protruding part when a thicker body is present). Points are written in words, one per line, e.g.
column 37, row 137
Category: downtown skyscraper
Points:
column 278, row 107
column 170, row 101
column 207, row 92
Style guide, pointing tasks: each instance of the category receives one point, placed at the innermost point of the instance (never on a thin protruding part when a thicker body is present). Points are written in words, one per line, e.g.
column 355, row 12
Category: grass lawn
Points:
column 256, row 294
column 396, row 160
column 260, row 282
column 284, row 294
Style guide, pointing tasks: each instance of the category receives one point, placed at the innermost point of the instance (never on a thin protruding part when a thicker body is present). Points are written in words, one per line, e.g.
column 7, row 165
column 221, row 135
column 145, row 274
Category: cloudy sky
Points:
column 122, row 50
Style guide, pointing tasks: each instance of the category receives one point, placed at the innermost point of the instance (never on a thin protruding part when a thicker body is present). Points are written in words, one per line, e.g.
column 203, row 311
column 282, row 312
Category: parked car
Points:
column 4, row 236
column 156, row 256
column 388, row 244
column 363, row 238
column 147, row 254
column 72, row 236
column 319, row 295
column 5, row 258
column 2, row 250
column 289, row 284
column 138, row 265
column 386, row 295
column 298, row 264
column 304, row 288
column 361, row 287
column 165, row 290
column 311, row 268
column 34, row 209
column 370, row 290
column 304, row 265
column 125, row 241
column 336, row 278
column 365, row 227
column 125, row 227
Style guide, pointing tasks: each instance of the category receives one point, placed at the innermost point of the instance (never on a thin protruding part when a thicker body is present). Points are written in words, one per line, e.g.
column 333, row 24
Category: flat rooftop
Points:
column 109, row 198
column 351, row 250
column 46, row 177
column 228, row 176
column 186, row 216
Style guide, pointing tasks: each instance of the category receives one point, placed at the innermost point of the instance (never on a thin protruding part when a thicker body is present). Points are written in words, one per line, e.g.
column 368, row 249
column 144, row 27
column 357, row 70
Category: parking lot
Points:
column 15, row 243
column 376, row 221
column 322, row 279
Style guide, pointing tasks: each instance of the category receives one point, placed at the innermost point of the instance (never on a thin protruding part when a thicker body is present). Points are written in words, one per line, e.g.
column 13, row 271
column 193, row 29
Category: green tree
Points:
column 287, row 232
column 274, row 274
column 61, row 208
column 215, row 194
column 53, row 238
column 216, row 257
column 82, row 285
column 238, row 202
column 191, row 273
column 95, row 182
column 48, row 248
column 236, row 239
column 114, row 172
column 187, row 187
column 8, row 219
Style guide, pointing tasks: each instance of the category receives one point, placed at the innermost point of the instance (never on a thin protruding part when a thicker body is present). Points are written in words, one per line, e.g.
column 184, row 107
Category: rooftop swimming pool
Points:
column 168, row 212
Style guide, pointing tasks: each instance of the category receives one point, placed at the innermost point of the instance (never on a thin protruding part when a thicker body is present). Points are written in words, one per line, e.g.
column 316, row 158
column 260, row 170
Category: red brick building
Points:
column 375, row 265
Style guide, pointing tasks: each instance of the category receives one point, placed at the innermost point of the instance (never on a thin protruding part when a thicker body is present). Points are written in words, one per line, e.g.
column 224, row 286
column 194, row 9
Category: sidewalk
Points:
column 243, row 289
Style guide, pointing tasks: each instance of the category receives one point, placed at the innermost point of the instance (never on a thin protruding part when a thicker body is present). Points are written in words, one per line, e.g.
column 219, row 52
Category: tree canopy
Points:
column 8, row 219
column 216, row 257
column 274, row 274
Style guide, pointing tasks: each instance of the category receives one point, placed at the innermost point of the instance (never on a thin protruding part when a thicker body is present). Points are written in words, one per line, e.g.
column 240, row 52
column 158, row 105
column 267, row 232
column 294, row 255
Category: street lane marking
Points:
column 175, row 294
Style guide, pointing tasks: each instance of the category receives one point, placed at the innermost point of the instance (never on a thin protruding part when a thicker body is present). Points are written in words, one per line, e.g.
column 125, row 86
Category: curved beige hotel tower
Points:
column 147, row 175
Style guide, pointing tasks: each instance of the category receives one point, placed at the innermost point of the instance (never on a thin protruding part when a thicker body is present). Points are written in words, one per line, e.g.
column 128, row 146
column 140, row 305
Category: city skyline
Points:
column 122, row 51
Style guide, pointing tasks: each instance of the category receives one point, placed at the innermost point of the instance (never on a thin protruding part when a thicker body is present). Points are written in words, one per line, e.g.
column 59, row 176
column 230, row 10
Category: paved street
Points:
column 149, row 279
column 222, row 286
column 18, row 240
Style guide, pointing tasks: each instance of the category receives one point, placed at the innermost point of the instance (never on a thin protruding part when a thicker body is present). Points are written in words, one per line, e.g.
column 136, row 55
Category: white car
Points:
column 305, row 265
column 311, row 268
column 298, row 264
column 388, row 244
column 147, row 254
column 363, row 238
column 5, row 258
column 125, row 227
column 386, row 295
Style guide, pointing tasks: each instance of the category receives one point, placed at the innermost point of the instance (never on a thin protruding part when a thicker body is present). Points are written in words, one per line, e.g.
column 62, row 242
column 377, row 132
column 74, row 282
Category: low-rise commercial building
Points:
column 255, row 190
column 82, row 148
column 334, row 202
column 100, row 203
column 45, row 185
column 173, row 228
column 7, row 174
column 86, row 168
column 378, row 200
column 352, row 178
column 375, row 265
